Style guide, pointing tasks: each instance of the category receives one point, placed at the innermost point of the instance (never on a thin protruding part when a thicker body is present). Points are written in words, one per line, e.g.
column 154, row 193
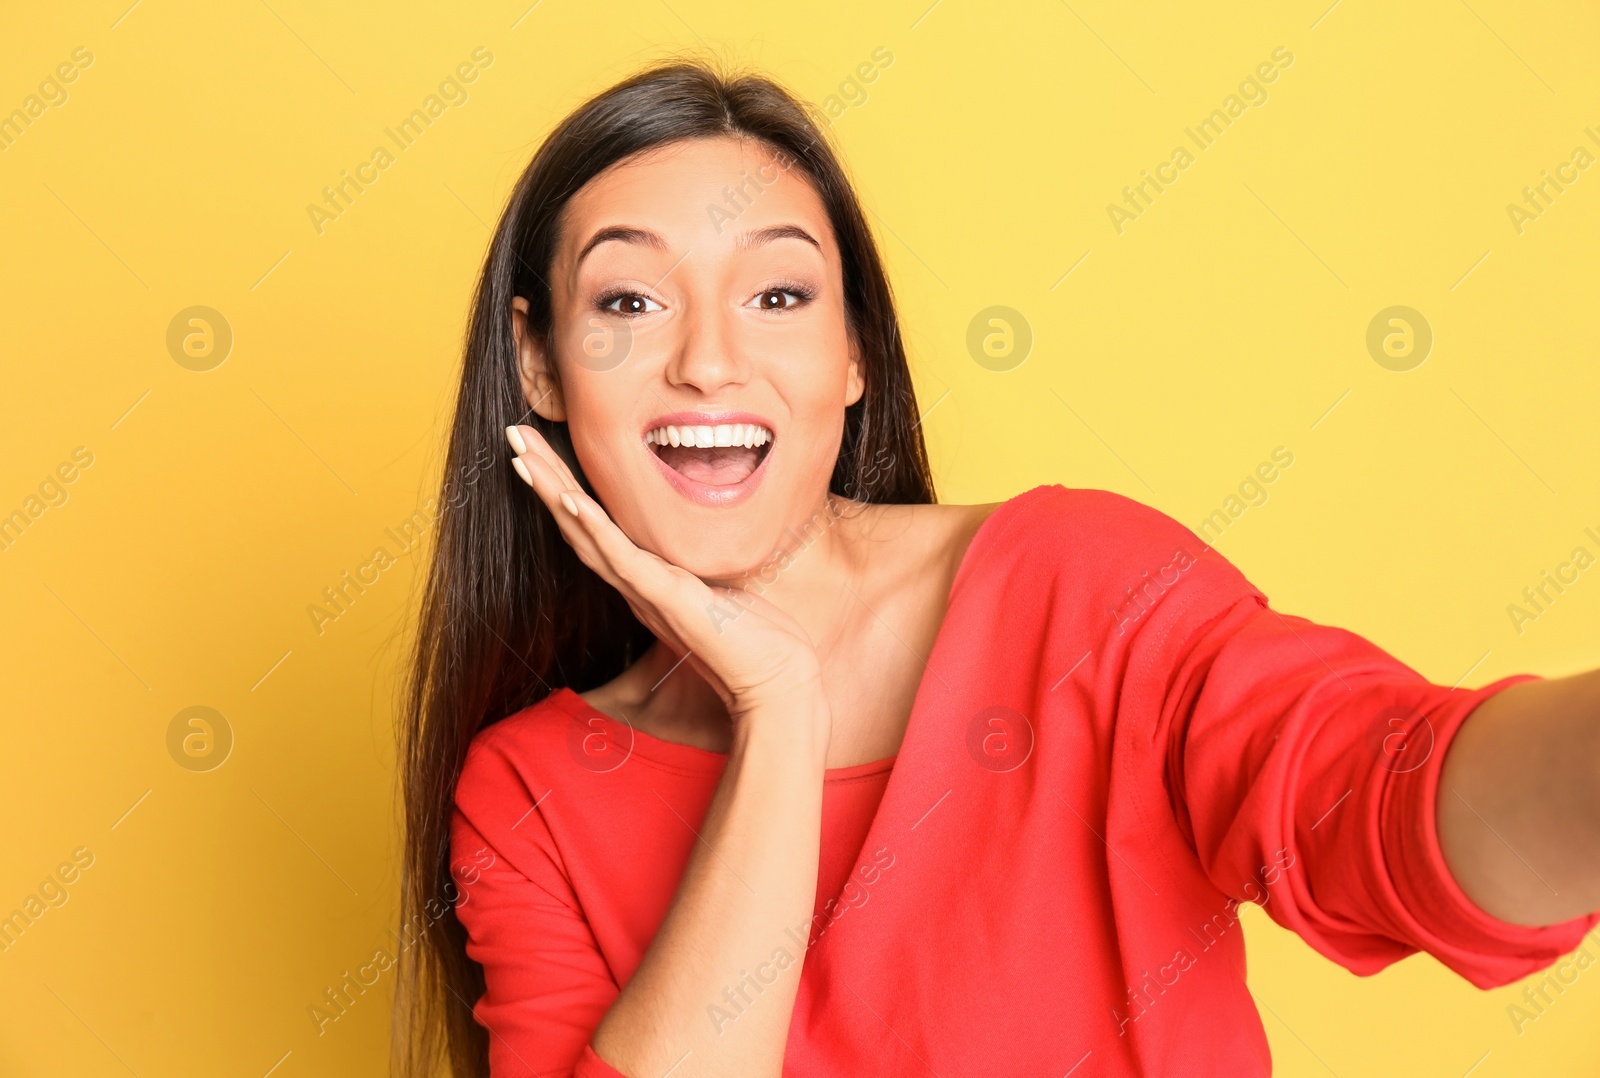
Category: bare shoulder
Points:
column 955, row 525
column 919, row 541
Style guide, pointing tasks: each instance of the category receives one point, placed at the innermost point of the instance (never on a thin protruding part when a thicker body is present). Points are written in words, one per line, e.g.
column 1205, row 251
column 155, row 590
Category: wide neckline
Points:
column 675, row 754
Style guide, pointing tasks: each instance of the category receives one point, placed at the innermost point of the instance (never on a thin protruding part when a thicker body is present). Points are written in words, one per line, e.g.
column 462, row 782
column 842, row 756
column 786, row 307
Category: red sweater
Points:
column 1116, row 742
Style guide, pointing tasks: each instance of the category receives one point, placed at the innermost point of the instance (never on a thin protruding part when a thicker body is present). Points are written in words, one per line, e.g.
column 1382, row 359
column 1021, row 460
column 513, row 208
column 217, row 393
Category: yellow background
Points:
column 1227, row 321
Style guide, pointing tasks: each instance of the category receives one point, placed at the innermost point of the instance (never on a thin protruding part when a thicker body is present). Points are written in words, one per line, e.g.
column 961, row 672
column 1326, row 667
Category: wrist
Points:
column 792, row 722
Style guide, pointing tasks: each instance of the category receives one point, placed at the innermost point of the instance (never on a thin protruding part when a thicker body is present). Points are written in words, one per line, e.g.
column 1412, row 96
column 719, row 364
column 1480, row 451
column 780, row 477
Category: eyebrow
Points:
column 763, row 236
column 622, row 234
column 644, row 237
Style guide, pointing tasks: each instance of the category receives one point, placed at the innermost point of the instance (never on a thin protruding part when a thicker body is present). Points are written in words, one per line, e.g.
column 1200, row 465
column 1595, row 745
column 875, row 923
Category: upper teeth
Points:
column 745, row 434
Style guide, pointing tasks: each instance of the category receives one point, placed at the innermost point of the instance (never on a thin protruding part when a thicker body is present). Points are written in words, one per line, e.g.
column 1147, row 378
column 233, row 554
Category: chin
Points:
column 717, row 544
column 712, row 543
column 716, row 561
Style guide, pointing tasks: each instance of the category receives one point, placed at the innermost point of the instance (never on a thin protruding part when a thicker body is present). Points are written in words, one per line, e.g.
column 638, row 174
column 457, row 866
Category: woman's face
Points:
column 701, row 356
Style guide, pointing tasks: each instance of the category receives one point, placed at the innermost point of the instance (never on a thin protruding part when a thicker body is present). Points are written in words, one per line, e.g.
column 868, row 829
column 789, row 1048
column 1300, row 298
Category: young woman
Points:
column 731, row 752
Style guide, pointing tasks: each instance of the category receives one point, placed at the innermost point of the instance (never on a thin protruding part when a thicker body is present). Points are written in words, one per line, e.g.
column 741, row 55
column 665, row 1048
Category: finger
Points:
column 681, row 601
column 535, row 443
column 619, row 551
column 590, row 530
column 538, row 457
column 645, row 580
column 537, row 472
column 644, row 573
column 545, row 481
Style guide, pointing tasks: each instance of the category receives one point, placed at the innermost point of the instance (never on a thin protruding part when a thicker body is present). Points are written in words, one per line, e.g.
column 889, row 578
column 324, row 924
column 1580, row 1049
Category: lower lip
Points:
column 716, row 497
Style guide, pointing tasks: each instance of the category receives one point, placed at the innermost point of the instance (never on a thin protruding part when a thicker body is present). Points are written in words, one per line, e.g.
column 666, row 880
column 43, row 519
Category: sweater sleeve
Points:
column 1302, row 766
column 546, row 984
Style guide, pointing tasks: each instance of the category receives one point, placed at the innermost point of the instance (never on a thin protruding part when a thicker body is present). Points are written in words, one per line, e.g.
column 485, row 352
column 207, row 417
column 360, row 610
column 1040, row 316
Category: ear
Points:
column 539, row 385
column 855, row 379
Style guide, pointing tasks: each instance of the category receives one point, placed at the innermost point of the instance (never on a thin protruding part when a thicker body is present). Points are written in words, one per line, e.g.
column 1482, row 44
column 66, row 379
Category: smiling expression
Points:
column 702, row 356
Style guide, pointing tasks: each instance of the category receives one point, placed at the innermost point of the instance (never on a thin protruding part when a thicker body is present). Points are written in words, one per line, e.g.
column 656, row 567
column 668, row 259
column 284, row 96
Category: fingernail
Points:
column 514, row 436
column 566, row 500
column 522, row 470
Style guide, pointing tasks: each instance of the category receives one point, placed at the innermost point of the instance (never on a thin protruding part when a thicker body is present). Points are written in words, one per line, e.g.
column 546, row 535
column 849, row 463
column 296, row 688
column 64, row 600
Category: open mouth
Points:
column 719, row 455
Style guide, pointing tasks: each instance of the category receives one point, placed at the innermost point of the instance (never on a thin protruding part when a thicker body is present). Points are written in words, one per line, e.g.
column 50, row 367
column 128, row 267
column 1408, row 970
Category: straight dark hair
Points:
column 508, row 611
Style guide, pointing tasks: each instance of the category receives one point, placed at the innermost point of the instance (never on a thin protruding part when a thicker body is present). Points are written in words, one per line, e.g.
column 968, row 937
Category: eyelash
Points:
column 800, row 292
column 604, row 301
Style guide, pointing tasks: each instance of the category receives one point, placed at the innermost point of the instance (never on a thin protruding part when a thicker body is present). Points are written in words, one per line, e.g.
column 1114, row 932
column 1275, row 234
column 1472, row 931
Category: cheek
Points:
column 616, row 473
column 814, row 380
column 600, row 409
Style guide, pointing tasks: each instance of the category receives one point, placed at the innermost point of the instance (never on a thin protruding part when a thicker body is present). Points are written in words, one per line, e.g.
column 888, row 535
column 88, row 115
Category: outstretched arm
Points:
column 1518, row 804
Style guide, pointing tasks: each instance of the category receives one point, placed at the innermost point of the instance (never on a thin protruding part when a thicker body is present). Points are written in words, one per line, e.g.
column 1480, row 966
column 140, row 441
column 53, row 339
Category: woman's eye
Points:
column 776, row 299
column 631, row 303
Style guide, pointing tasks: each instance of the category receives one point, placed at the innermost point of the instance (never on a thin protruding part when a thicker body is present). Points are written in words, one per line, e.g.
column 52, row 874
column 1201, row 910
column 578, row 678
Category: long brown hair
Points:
column 509, row 612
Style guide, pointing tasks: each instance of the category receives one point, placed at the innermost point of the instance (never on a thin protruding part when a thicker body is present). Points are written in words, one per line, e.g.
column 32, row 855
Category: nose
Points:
column 708, row 355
